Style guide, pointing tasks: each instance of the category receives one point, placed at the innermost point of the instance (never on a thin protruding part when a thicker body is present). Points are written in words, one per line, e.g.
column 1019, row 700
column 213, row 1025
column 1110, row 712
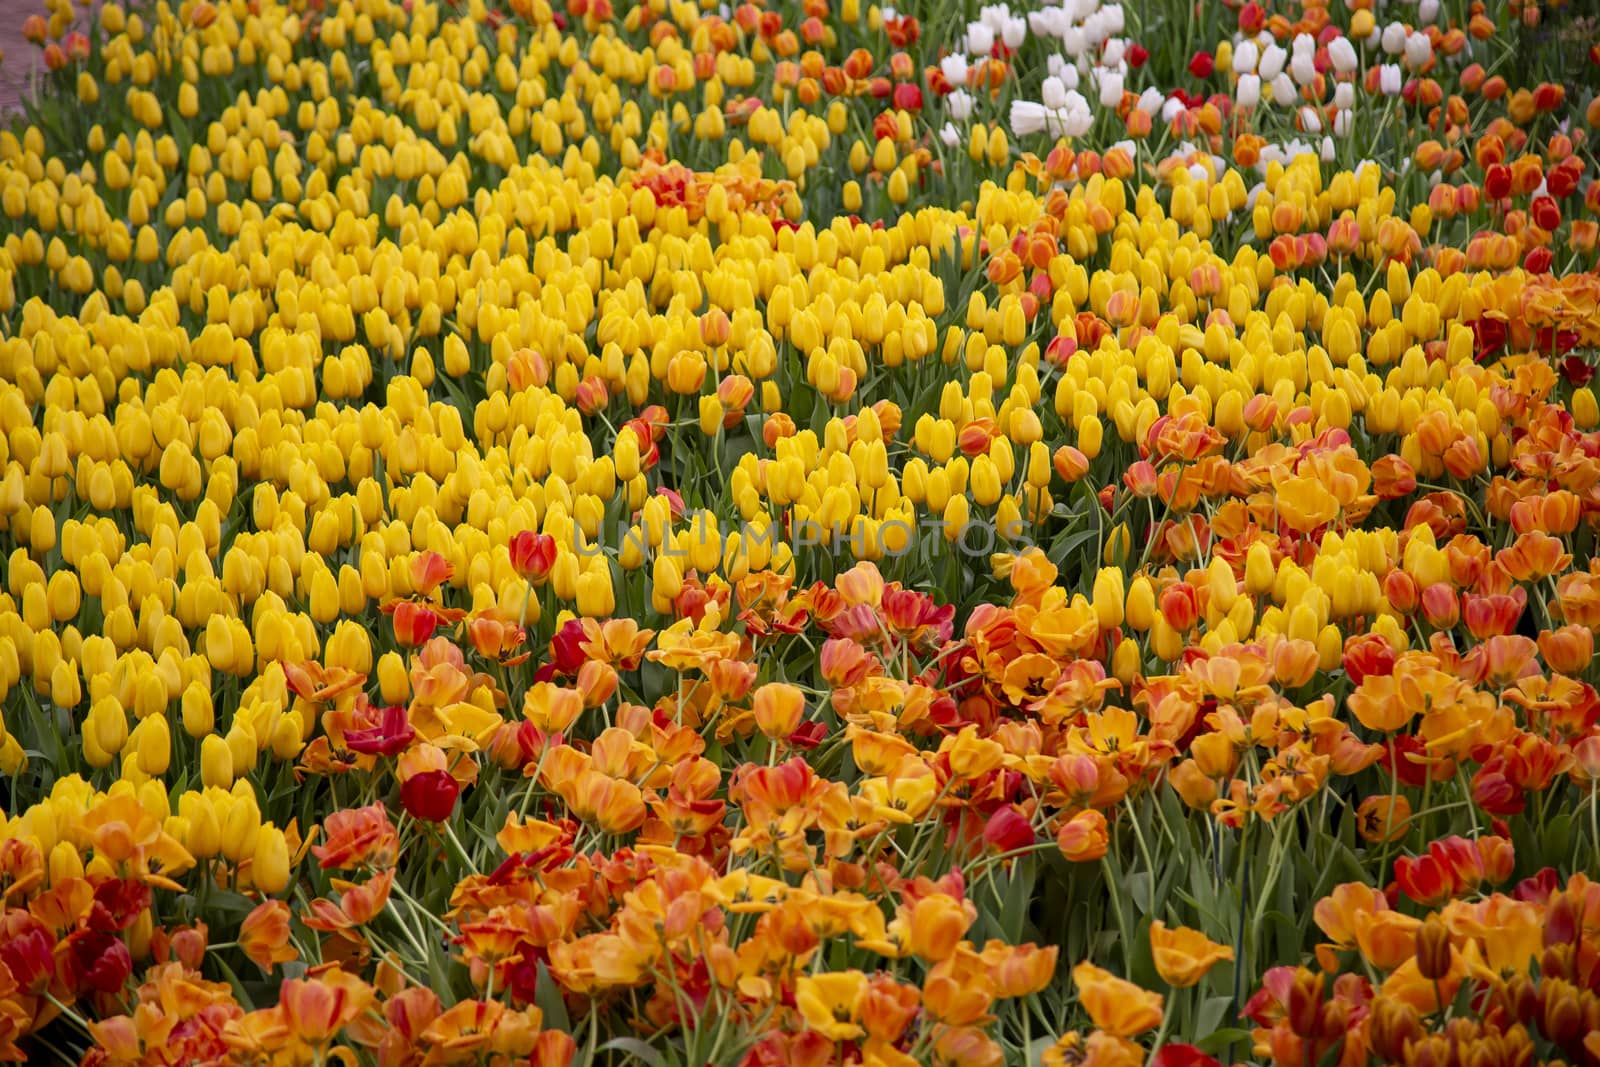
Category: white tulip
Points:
column 1053, row 94
column 1029, row 117
column 1418, row 50
column 1272, row 61
column 1051, row 22
column 1110, row 89
column 1077, row 119
column 1343, row 55
column 1248, row 94
column 1304, row 69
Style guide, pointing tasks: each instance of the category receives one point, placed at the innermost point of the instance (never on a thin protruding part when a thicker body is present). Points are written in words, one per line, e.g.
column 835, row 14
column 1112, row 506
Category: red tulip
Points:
column 1497, row 183
column 95, row 961
column 1008, row 831
column 1425, row 879
column 392, row 734
column 1181, row 1056
column 413, row 623
column 533, row 554
column 430, row 796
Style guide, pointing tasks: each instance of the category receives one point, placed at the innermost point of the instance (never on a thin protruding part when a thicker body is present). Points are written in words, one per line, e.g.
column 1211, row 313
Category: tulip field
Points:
column 796, row 532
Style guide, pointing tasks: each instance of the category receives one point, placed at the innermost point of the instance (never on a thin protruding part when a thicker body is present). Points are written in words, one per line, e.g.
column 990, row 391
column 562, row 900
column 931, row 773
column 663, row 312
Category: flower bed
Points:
column 801, row 534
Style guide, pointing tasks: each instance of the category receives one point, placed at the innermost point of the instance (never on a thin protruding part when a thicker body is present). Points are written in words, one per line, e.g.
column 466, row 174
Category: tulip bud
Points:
column 1259, row 574
column 1109, row 598
column 65, row 863
column 1221, row 584
column 1585, row 408
column 199, row 718
column 1141, row 607
column 216, row 762
column 1126, row 662
column 956, row 513
column 778, row 708
column 152, row 742
column 394, row 682
column 240, row 830
column 242, row 744
column 595, row 596
column 269, row 866
column 1165, row 641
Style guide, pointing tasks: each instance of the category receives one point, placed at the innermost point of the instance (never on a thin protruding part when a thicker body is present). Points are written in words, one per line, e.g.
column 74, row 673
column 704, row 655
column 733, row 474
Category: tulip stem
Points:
column 1394, row 791
column 1144, row 850
column 1594, row 817
column 1115, row 893
column 1166, row 1024
column 68, row 1013
column 450, row 832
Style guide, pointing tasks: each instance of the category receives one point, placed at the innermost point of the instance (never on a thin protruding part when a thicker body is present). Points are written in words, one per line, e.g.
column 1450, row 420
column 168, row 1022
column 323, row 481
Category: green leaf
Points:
column 1210, row 1014
column 1138, row 888
column 1221, row 1039
column 1284, row 943
column 547, row 996
column 1558, row 847
column 634, row 1047
column 1014, row 912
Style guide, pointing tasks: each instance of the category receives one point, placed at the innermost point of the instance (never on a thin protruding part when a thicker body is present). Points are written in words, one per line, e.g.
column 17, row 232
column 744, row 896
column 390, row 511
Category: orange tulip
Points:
column 1117, row 1006
column 938, row 922
column 264, row 935
column 1376, row 704
column 1083, row 838
column 1183, row 955
column 316, row 1009
column 1387, row 938
column 778, row 708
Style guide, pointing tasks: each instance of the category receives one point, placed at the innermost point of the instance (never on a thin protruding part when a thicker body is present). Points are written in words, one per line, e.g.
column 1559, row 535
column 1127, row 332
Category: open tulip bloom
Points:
column 616, row 532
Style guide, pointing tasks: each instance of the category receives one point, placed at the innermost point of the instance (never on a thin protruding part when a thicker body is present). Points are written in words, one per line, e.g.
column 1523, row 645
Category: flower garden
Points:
column 670, row 534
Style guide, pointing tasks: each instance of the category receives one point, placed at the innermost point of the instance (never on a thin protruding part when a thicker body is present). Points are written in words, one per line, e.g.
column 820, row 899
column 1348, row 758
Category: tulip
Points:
column 1183, row 956
column 778, row 709
column 430, row 796
column 1083, row 838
